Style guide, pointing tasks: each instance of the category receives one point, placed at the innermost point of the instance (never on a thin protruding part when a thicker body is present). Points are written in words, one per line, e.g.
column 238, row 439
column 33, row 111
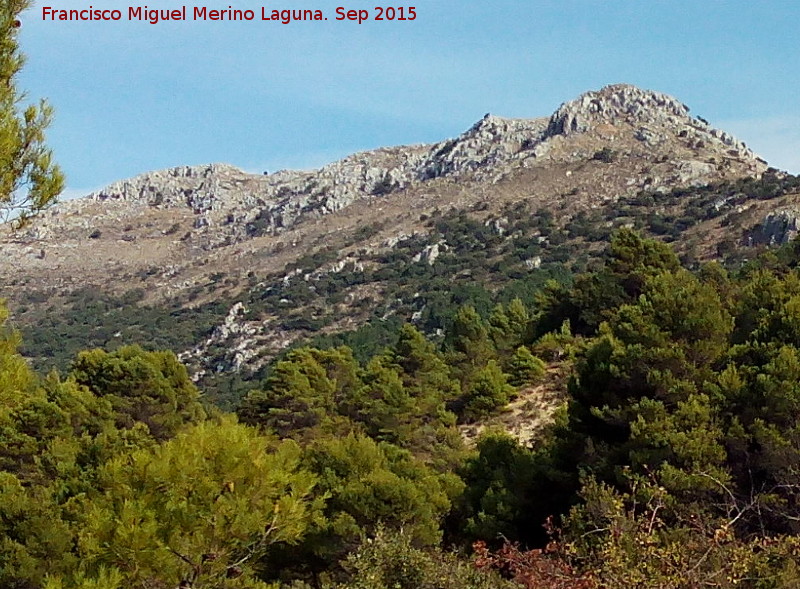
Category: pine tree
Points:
column 29, row 180
column 468, row 344
column 422, row 369
column 199, row 510
column 153, row 388
column 489, row 391
column 525, row 368
column 297, row 398
column 509, row 326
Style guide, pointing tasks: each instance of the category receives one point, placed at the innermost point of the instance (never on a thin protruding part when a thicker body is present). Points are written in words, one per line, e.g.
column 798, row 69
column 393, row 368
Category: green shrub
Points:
column 605, row 155
column 389, row 560
column 525, row 368
column 488, row 391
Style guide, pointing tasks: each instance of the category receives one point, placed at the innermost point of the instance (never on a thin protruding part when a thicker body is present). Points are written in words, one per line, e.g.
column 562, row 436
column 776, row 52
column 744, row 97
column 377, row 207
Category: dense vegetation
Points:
column 674, row 463
column 484, row 258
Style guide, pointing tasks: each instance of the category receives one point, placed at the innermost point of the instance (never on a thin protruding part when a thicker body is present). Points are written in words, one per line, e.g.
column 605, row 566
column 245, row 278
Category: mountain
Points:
column 228, row 268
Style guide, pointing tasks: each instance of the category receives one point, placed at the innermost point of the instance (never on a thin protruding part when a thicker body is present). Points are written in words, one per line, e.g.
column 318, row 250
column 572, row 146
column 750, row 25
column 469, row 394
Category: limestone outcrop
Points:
column 779, row 227
column 231, row 205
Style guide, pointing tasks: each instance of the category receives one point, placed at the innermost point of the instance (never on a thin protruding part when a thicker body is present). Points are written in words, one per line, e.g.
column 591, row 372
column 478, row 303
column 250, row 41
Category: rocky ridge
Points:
column 196, row 235
column 230, row 204
column 657, row 116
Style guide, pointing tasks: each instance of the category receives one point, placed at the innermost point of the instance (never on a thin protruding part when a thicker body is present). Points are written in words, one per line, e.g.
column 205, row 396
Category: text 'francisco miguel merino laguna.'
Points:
column 203, row 13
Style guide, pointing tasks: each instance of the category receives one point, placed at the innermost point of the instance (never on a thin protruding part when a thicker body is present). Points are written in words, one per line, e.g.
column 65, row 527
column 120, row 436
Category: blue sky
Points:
column 132, row 97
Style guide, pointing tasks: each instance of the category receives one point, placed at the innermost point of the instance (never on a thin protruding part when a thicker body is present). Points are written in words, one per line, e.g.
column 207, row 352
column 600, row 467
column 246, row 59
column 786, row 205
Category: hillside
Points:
column 509, row 360
column 230, row 268
column 636, row 428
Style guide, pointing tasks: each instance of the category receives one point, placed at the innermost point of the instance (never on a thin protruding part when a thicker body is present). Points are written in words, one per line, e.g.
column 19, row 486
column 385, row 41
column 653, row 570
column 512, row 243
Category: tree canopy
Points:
column 29, row 179
column 673, row 462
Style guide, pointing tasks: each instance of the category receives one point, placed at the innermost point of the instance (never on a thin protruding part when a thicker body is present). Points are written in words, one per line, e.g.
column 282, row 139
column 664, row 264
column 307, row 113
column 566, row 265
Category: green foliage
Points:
column 605, row 155
column 637, row 396
column 488, row 391
column 525, row 368
column 683, row 408
column 200, row 508
column 499, row 479
column 390, row 560
column 626, row 540
column 88, row 318
column 298, row 397
column 382, row 403
column 29, row 180
column 367, row 341
column 399, row 397
column 153, row 388
column 593, row 298
column 632, row 259
column 31, row 532
column 674, row 464
column 113, row 476
column 370, row 482
column 556, row 345
column 367, row 485
column 16, row 378
column 104, row 579
column 420, row 365
column 391, row 412
column 429, row 381
column 419, row 407
column 468, row 340
column 509, row 326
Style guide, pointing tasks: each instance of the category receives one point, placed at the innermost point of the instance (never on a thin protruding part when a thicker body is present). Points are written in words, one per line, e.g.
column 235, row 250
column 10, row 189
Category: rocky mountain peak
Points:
column 229, row 204
column 292, row 251
column 194, row 187
column 491, row 141
column 655, row 117
column 615, row 104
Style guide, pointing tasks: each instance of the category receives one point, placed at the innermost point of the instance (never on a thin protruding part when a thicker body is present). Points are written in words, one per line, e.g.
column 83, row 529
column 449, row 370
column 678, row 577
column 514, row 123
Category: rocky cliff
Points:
column 232, row 204
column 278, row 256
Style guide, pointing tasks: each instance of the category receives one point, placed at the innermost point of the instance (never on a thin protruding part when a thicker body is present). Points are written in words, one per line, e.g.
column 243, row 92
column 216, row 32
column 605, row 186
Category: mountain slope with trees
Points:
column 673, row 461
column 230, row 269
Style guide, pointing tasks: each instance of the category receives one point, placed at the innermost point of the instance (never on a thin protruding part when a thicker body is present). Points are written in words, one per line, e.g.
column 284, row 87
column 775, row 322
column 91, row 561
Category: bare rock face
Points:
column 655, row 143
column 430, row 253
column 656, row 117
column 616, row 103
column 196, row 187
column 231, row 205
column 692, row 172
column 233, row 329
column 779, row 227
column 491, row 142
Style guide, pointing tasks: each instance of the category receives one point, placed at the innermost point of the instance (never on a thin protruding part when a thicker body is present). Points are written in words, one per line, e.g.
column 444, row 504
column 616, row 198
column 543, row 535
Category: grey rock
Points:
column 693, row 172
column 533, row 263
column 779, row 227
column 230, row 205
column 430, row 253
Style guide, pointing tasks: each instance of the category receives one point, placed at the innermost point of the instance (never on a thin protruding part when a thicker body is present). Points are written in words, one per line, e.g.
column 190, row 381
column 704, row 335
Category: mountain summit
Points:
column 215, row 235
column 640, row 125
column 657, row 118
